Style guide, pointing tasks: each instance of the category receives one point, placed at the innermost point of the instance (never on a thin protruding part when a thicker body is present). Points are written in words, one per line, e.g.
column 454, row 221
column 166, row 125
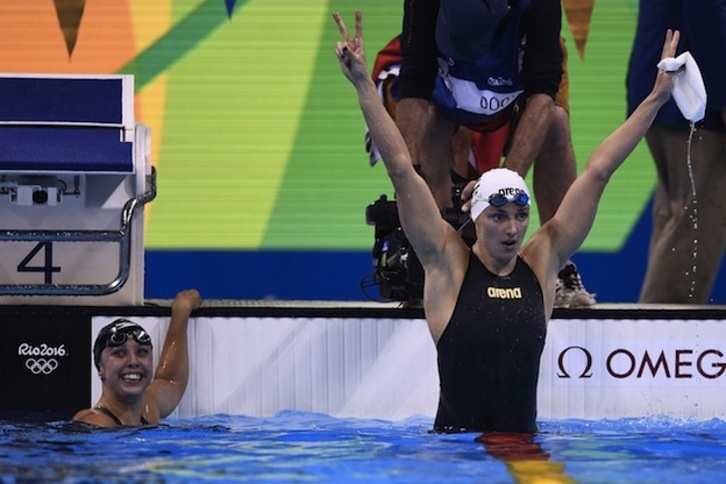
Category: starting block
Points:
column 75, row 175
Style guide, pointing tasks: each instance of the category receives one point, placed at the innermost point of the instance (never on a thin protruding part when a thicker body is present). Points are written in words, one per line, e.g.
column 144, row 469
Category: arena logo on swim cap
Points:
column 498, row 187
column 510, row 192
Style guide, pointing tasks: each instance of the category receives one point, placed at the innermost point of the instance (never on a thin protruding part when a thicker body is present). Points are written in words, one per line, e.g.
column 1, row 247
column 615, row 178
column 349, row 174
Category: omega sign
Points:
column 42, row 359
column 621, row 363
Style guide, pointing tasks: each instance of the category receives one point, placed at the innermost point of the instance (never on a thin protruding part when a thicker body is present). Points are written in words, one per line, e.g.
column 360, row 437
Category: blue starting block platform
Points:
column 75, row 174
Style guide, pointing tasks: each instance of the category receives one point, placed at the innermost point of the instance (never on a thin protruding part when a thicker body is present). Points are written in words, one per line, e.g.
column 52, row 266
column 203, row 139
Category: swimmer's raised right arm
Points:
column 419, row 214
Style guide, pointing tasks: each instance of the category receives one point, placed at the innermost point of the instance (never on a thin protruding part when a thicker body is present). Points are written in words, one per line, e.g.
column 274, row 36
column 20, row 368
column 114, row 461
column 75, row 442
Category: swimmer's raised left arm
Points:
column 576, row 214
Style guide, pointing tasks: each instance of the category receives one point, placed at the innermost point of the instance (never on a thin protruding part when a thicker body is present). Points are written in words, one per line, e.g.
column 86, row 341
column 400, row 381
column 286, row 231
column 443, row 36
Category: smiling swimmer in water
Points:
column 132, row 393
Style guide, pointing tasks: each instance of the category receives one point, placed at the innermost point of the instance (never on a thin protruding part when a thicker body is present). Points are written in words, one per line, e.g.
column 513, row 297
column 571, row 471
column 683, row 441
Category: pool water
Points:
column 298, row 446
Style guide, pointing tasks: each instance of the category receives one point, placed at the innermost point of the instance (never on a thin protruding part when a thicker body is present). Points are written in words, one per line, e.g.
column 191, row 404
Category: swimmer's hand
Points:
column 185, row 302
column 350, row 51
column 666, row 80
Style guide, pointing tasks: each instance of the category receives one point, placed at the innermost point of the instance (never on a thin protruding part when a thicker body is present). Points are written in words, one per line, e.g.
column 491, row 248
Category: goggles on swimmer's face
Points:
column 499, row 200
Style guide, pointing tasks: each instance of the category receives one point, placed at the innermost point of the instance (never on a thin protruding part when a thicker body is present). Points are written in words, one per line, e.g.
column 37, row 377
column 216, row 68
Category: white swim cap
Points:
column 497, row 187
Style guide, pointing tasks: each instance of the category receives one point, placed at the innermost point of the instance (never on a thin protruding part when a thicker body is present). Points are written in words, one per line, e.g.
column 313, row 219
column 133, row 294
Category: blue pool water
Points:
column 297, row 446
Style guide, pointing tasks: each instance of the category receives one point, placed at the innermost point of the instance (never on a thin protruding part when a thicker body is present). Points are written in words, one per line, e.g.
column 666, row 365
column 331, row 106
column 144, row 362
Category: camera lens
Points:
column 40, row 197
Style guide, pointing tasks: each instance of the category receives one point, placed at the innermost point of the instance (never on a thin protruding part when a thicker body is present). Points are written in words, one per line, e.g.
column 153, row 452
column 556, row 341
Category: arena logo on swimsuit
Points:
column 501, row 293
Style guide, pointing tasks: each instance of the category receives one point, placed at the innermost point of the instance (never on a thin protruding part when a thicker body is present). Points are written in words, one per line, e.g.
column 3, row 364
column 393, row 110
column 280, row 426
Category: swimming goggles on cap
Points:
column 116, row 334
column 499, row 200
column 120, row 332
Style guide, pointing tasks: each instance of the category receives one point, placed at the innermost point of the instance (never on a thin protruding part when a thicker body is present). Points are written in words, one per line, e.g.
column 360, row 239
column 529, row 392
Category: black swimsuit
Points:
column 113, row 417
column 489, row 353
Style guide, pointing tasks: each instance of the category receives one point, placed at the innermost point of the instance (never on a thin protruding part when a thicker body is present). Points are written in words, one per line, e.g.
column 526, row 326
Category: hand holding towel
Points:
column 689, row 91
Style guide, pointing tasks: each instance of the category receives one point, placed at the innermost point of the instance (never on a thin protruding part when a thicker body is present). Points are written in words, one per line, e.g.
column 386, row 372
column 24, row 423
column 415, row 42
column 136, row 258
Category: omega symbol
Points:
column 588, row 362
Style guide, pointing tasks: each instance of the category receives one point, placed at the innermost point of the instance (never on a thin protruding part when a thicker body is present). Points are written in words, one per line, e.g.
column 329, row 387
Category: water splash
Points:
column 694, row 212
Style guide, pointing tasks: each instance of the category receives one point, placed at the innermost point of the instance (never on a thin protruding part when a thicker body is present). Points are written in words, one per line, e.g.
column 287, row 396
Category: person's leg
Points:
column 688, row 240
column 436, row 157
column 554, row 168
column 661, row 212
column 554, row 171
column 461, row 146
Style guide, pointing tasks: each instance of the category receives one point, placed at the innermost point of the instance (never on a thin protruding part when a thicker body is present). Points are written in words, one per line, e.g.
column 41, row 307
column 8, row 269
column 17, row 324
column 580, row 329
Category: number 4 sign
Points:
column 75, row 174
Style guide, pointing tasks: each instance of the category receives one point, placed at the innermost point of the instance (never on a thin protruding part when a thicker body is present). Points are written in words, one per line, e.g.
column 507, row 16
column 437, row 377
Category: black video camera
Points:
column 454, row 215
column 397, row 269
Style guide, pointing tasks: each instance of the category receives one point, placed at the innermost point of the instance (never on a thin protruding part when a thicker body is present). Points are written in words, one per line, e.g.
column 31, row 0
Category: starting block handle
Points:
column 121, row 236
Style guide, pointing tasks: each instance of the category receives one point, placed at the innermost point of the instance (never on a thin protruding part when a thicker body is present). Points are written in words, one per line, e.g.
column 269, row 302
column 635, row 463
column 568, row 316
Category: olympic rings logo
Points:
column 41, row 365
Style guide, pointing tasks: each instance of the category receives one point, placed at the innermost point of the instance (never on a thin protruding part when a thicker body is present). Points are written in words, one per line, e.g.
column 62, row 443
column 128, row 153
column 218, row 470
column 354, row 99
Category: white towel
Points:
column 689, row 91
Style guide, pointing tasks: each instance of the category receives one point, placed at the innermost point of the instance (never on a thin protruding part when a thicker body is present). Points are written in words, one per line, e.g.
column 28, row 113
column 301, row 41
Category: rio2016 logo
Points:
column 42, row 358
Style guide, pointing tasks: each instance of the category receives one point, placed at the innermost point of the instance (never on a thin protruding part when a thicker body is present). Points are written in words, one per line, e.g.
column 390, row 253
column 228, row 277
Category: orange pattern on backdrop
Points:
column 70, row 13
column 579, row 13
column 32, row 40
